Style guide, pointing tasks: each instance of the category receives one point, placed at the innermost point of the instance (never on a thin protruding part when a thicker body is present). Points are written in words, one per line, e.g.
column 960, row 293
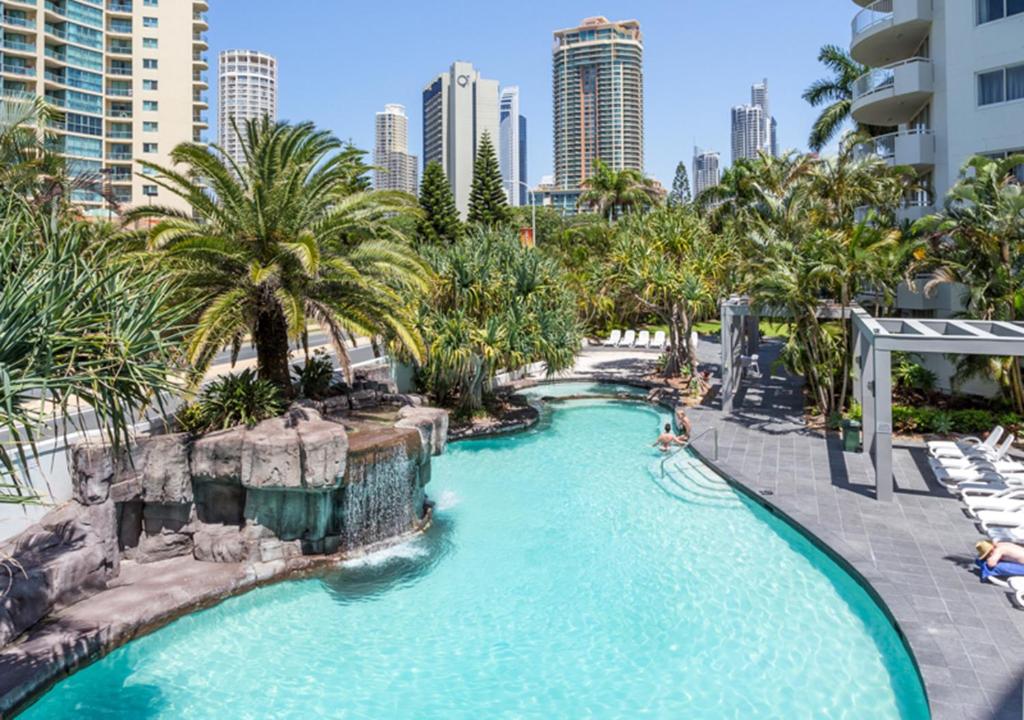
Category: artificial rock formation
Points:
column 298, row 484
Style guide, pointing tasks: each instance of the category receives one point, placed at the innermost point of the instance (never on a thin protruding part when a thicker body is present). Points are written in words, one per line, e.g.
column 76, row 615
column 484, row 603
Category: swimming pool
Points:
column 579, row 389
column 558, row 580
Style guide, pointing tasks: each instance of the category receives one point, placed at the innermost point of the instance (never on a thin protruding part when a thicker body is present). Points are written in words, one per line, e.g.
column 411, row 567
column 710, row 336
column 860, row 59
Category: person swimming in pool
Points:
column 667, row 439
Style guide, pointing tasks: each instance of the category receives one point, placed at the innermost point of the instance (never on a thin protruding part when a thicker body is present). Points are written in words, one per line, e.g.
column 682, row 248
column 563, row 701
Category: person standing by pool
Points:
column 667, row 439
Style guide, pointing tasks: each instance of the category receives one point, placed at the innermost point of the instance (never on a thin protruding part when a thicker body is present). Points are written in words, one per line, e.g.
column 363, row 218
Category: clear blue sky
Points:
column 342, row 60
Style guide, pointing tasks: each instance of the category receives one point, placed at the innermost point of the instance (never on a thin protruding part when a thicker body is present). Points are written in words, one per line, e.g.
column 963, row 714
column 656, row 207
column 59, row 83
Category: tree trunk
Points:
column 271, row 338
column 678, row 353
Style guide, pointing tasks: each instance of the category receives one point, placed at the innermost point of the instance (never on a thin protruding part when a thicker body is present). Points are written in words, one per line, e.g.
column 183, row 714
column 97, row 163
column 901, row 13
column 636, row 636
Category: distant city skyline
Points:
column 687, row 100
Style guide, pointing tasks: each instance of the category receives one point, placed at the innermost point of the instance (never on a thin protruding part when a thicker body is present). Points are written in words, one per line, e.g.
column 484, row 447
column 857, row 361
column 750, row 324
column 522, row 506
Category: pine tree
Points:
column 680, row 194
column 488, row 204
column 440, row 222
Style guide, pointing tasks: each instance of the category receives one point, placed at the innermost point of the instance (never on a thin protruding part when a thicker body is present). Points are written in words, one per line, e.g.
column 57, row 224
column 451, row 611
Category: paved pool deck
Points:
column 916, row 551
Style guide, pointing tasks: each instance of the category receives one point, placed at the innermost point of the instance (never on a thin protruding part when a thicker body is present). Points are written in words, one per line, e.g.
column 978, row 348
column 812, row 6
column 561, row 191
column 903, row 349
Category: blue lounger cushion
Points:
column 1001, row 570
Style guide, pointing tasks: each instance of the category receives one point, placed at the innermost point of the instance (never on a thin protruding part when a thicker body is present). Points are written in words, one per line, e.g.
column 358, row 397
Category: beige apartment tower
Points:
column 597, row 76
column 394, row 167
column 246, row 90
column 129, row 77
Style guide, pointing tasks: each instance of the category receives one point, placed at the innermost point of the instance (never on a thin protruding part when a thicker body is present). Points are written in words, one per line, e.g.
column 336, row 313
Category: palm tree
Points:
column 979, row 241
column 612, row 192
column 836, row 91
column 285, row 238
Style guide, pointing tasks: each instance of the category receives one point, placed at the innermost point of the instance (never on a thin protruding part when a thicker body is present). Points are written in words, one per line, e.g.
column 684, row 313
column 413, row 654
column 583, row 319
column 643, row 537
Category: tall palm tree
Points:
column 611, row 192
column 284, row 238
column 979, row 236
column 835, row 93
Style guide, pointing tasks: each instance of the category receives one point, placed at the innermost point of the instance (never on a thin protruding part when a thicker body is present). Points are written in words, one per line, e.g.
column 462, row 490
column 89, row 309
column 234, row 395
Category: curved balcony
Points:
column 893, row 94
column 915, row 148
column 916, row 206
column 890, row 30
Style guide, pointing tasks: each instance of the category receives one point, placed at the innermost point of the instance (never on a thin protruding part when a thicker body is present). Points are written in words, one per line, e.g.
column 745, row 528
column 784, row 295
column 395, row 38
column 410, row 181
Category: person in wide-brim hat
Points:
column 992, row 553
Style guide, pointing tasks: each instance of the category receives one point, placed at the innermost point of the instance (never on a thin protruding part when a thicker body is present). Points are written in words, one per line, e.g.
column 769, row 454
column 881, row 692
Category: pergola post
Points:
column 884, row 484
column 867, row 390
column 727, row 369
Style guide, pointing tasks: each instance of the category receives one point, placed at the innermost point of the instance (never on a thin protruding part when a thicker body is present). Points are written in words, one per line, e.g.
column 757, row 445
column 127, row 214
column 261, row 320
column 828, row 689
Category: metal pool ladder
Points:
column 711, row 430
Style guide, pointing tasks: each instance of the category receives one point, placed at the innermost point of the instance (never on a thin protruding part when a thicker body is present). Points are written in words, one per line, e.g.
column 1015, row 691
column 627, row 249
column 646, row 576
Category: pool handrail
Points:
column 689, row 442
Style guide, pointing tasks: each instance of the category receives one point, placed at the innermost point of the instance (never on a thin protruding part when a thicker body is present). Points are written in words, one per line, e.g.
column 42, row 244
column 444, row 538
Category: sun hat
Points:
column 984, row 547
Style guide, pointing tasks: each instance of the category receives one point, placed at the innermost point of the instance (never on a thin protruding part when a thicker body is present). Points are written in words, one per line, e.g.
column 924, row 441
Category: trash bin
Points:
column 851, row 435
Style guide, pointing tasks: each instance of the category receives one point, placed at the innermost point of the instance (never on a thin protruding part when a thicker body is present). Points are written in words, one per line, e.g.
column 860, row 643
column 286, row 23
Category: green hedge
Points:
column 910, row 419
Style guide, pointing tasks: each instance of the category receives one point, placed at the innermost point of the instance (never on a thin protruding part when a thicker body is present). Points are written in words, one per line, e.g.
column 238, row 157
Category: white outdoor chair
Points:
column 628, row 339
column 643, row 340
column 658, row 343
column 613, row 339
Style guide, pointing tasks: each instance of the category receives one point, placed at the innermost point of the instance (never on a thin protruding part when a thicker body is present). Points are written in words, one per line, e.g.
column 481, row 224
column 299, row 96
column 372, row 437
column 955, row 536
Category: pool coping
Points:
column 855, row 563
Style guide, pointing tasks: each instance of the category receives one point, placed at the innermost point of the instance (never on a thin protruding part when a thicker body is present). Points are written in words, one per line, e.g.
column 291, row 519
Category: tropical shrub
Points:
column 230, row 400
column 910, row 375
column 496, row 305
column 313, row 380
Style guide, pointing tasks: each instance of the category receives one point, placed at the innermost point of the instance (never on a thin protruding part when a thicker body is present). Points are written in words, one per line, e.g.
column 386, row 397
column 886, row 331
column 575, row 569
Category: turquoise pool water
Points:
column 560, row 580
column 574, row 389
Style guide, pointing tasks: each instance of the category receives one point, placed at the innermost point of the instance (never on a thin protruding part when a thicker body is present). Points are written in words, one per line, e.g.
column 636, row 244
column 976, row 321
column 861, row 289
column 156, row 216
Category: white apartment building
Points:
column 512, row 148
column 459, row 106
column 128, row 76
column 947, row 81
column 394, row 167
column 706, row 170
column 246, row 90
column 748, row 129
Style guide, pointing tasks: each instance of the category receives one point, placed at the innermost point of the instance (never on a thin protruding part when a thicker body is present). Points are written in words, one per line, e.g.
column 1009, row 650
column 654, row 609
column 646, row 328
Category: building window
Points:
column 149, row 190
column 150, row 43
column 150, row 126
column 1018, row 171
column 150, row 3
column 150, row 22
column 991, row 10
column 1002, row 85
column 150, row 105
column 150, row 64
column 149, row 85
column 150, row 148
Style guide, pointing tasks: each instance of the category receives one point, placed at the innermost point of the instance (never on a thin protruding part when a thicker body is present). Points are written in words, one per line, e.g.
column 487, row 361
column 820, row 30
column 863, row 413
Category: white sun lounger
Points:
column 613, row 339
column 628, row 339
column 1016, row 587
column 981, row 452
column 643, row 340
column 1007, row 535
column 954, row 467
column 1000, row 518
column 1009, row 499
column 957, row 448
column 658, row 343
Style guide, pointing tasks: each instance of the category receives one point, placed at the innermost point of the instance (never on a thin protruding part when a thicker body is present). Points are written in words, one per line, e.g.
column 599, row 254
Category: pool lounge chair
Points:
column 643, row 340
column 988, row 519
column 954, row 467
column 980, row 453
column 957, row 448
column 658, row 343
column 613, row 339
column 628, row 339
column 1010, row 499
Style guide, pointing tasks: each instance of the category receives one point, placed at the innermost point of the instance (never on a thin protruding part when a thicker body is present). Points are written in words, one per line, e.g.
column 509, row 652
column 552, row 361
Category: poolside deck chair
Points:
column 613, row 339
column 957, row 448
column 658, row 343
column 954, row 466
column 1009, row 499
column 989, row 519
column 643, row 340
column 979, row 452
column 1016, row 586
column 628, row 339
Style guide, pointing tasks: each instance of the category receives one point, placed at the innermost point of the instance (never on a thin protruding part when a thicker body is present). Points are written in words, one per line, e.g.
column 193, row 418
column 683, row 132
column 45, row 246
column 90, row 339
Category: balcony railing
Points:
column 120, row 114
column 19, row 45
column 875, row 13
column 880, row 78
column 119, row 92
column 119, row 7
column 120, row 134
column 882, row 147
column 19, row 21
column 119, row 156
column 22, row 70
column 119, row 71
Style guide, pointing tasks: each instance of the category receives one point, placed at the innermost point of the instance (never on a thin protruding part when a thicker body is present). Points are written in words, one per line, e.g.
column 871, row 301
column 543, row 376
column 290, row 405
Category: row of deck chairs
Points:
column 632, row 339
column 991, row 487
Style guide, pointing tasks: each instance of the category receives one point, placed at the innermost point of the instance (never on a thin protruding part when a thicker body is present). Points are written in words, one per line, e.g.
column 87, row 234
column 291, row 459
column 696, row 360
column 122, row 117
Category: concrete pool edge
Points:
column 853, row 562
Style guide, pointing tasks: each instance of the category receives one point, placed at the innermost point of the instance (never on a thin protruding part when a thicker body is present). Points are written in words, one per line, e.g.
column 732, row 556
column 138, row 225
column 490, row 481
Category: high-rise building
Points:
column 747, row 131
column 247, row 90
column 598, row 99
column 946, row 82
column 754, row 130
column 128, row 76
column 459, row 106
column 512, row 148
column 706, row 172
column 395, row 169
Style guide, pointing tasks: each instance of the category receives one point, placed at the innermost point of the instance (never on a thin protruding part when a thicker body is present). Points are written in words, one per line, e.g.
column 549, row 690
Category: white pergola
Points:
column 874, row 341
